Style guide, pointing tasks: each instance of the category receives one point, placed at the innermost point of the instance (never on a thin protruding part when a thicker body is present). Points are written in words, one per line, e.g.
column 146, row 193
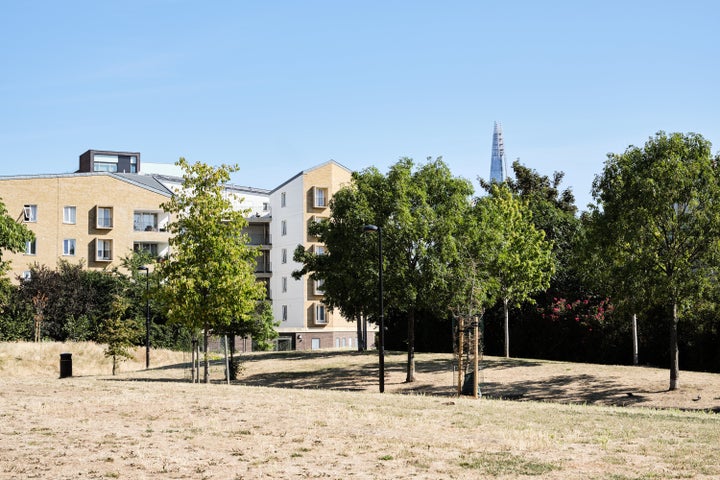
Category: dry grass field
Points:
column 318, row 415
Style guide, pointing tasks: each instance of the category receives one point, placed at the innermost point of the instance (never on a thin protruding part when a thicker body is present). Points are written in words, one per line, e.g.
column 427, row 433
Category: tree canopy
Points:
column 419, row 210
column 657, row 208
column 208, row 279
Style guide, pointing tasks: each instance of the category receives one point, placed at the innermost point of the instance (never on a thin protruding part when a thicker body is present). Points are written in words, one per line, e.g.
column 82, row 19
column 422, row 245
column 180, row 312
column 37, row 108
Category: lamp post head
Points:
column 370, row 228
column 143, row 268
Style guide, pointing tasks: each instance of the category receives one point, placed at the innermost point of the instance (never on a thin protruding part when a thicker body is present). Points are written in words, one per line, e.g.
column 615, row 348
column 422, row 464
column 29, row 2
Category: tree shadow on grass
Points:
column 582, row 389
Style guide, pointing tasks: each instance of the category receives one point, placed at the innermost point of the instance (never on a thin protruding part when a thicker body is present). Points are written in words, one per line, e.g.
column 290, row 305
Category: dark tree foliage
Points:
column 75, row 299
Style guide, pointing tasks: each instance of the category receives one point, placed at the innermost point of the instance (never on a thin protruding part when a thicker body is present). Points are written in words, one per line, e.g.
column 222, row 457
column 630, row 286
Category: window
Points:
column 105, row 167
column 266, row 206
column 319, row 249
column 319, row 286
column 283, row 227
column 26, row 275
column 320, row 197
column 282, row 199
column 284, row 313
column 320, row 314
column 31, row 247
column 104, row 217
column 284, row 255
column 105, row 163
column 133, row 164
column 69, row 246
column 104, row 251
column 145, row 222
column 30, row 213
column 284, row 284
column 69, row 215
column 151, row 248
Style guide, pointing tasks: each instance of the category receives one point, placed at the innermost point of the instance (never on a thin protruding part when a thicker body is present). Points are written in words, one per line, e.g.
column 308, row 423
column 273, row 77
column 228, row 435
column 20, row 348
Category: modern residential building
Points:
column 93, row 218
column 305, row 322
column 109, row 208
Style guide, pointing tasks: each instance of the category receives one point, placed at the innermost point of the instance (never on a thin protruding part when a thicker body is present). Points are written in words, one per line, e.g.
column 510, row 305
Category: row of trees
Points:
column 647, row 248
column 444, row 255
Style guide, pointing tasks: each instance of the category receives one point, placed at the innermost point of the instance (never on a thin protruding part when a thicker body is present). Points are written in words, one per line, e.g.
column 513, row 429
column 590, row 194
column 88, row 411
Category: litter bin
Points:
column 65, row 365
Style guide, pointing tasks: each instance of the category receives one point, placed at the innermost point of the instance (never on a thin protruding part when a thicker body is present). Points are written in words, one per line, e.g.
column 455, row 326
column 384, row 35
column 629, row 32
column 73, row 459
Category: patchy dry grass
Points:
column 303, row 415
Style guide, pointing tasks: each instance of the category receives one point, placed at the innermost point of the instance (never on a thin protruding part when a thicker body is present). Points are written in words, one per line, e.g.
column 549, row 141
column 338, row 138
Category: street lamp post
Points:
column 147, row 315
column 381, row 347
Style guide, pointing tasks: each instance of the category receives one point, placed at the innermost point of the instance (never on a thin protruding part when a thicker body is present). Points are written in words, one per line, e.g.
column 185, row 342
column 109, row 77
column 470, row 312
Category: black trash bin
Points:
column 65, row 365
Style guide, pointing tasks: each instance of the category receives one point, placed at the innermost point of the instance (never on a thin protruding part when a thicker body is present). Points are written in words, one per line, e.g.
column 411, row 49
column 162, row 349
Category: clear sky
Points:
column 280, row 86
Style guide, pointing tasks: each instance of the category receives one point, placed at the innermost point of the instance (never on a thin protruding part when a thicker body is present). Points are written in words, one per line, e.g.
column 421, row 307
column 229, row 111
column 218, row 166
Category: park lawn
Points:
column 318, row 415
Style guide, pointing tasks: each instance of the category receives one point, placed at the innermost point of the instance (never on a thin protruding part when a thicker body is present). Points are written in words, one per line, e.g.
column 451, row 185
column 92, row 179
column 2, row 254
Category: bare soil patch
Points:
column 303, row 415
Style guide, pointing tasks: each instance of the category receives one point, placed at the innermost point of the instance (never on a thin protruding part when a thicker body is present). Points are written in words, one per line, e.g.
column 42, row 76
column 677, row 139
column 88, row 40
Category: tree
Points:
column 208, row 279
column 518, row 257
column 658, row 209
column 13, row 236
column 419, row 211
column 118, row 332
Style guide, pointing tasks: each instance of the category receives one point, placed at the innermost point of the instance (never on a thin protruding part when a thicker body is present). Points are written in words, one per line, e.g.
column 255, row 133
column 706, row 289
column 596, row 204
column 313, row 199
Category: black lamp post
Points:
column 381, row 347
column 147, row 315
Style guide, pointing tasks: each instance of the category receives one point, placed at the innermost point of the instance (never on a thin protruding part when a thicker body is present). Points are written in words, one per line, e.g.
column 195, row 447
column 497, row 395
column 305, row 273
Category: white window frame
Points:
column 69, row 247
column 284, row 313
column 319, row 286
column 283, row 227
column 70, row 215
column 103, row 254
column 283, row 284
column 320, row 314
column 319, row 249
column 320, row 197
column 30, row 213
column 104, row 222
column 283, row 200
column 283, row 255
column 31, row 247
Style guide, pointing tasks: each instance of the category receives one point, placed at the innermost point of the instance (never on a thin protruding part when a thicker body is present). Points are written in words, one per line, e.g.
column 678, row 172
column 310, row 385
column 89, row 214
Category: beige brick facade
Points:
column 108, row 208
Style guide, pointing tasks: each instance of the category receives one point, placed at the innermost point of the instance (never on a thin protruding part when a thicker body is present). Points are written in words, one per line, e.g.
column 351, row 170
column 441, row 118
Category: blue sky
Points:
column 280, row 86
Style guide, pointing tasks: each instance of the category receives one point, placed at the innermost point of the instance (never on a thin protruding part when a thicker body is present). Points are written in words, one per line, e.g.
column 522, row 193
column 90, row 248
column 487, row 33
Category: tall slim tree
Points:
column 658, row 209
column 518, row 257
column 208, row 279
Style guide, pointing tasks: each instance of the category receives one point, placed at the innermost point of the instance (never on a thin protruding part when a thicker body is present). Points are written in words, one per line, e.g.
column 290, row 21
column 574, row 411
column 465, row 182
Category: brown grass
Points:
column 304, row 415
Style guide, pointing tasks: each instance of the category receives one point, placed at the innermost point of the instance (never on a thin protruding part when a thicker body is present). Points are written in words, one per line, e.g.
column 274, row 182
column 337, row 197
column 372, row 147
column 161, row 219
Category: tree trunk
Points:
column 507, row 328
column 411, row 348
column 674, row 351
column 206, row 366
column 635, row 339
column 358, row 320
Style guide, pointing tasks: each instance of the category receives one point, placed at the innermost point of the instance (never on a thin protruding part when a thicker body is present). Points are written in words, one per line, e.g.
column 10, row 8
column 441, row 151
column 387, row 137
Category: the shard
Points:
column 498, row 168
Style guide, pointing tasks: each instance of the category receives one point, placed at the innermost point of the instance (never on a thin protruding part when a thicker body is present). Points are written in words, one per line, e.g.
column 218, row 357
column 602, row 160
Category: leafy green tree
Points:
column 517, row 256
column 657, row 207
column 419, row 210
column 208, row 279
column 13, row 236
column 118, row 332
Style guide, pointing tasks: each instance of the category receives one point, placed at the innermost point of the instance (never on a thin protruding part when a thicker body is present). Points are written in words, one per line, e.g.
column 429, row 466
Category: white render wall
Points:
column 292, row 214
